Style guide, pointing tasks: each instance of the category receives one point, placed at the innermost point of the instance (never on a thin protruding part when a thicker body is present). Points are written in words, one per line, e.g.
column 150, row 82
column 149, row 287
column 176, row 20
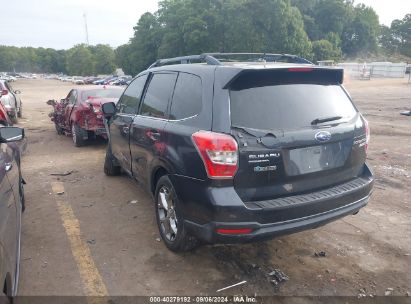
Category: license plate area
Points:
column 315, row 158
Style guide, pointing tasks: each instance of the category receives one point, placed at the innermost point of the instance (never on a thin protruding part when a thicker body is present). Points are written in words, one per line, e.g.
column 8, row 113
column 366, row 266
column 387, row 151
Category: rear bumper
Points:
column 261, row 232
column 95, row 124
column 206, row 209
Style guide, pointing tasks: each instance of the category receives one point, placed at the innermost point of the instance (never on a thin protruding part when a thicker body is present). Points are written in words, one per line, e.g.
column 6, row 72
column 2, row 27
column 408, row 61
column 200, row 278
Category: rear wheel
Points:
column 169, row 218
column 110, row 165
column 79, row 135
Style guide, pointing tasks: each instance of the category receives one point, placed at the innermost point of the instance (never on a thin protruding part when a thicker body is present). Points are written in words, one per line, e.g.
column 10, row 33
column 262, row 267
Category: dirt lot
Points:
column 118, row 250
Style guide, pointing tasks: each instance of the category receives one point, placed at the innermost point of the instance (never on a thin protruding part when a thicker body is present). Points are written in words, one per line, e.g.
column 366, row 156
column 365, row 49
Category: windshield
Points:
column 101, row 93
column 288, row 106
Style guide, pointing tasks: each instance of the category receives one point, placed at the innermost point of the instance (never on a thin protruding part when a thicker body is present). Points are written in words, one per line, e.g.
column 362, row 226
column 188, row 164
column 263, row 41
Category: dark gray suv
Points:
column 237, row 151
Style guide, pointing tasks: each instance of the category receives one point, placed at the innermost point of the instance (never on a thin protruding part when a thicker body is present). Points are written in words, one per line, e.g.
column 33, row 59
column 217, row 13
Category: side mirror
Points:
column 109, row 109
column 51, row 102
column 17, row 92
column 10, row 134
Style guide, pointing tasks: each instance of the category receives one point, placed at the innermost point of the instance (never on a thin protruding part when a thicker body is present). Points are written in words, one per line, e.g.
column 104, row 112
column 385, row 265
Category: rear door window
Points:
column 158, row 95
column 130, row 101
column 287, row 106
column 187, row 98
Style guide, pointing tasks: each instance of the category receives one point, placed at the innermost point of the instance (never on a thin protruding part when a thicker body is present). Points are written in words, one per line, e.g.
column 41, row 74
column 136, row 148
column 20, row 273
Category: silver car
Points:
column 10, row 100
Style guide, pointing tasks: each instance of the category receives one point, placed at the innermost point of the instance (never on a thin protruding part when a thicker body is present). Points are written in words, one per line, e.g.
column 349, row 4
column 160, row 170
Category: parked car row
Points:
column 110, row 80
column 12, row 76
column 7, row 77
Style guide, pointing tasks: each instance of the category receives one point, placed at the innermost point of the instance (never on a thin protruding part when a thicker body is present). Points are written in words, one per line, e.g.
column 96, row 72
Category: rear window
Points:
column 101, row 93
column 287, row 106
column 187, row 100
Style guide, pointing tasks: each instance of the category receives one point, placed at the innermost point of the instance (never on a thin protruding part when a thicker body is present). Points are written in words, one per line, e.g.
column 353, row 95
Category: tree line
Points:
column 314, row 29
column 80, row 60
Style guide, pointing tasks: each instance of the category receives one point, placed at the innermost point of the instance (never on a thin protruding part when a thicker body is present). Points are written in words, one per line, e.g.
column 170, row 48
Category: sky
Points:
column 59, row 24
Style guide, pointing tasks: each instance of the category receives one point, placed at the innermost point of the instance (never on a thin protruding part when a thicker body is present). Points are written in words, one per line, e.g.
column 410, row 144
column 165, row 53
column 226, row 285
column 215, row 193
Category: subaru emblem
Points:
column 323, row 136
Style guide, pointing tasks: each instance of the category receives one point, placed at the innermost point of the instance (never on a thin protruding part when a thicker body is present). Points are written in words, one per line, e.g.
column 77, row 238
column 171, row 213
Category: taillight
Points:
column 367, row 133
column 300, row 69
column 4, row 92
column 219, row 153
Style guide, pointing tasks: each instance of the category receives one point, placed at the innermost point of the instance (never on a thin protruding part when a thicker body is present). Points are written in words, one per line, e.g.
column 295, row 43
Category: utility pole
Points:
column 85, row 26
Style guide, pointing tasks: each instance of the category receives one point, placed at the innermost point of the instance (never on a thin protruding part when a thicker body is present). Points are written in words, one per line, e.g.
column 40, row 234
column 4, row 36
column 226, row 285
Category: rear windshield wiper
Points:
column 325, row 119
column 259, row 132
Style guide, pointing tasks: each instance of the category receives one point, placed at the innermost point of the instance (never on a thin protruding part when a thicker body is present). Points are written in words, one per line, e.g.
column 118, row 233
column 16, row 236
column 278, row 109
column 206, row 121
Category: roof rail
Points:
column 267, row 57
column 186, row 60
column 211, row 59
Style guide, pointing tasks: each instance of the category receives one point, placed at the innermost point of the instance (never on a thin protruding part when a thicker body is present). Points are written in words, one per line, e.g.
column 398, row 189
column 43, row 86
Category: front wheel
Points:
column 170, row 221
column 110, row 166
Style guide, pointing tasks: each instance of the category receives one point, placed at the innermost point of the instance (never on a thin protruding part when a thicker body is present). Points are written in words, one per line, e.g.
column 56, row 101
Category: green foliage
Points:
column 104, row 59
column 79, row 60
column 397, row 39
column 360, row 35
column 182, row 27
column 325, row 50
column 354, row 29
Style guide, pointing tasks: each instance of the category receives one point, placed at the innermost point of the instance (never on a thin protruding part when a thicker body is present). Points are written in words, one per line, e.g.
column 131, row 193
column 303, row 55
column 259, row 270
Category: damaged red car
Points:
column 79, row 115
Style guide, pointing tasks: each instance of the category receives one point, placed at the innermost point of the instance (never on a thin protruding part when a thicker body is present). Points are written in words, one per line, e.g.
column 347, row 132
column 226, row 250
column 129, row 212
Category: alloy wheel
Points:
column 167, row 214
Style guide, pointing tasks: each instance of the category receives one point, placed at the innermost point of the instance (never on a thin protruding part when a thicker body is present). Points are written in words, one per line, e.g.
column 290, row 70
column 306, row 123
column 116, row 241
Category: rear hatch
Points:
column 297, row 132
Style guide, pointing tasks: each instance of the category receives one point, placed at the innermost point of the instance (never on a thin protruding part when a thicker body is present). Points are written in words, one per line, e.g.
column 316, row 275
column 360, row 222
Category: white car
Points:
column 78, row 80
column 10, row 100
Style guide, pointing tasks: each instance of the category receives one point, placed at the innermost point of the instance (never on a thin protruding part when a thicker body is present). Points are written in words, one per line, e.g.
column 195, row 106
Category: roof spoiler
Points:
column 289, row 75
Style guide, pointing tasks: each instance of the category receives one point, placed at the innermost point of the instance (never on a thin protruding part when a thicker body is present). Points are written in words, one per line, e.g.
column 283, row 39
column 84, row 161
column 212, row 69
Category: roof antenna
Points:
column 85, row 27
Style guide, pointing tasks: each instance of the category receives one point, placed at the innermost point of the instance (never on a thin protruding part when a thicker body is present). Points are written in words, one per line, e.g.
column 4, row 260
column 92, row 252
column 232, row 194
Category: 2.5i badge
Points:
column 265, row 169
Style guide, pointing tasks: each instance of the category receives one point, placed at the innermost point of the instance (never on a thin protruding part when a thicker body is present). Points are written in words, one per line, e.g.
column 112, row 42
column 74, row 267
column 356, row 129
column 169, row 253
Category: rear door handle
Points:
column 9, row 166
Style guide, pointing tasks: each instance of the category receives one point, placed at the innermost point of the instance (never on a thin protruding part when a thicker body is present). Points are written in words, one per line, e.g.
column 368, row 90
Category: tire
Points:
column 20, row 112
column 110, row 165
column 170, row 221
column 79, row 135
